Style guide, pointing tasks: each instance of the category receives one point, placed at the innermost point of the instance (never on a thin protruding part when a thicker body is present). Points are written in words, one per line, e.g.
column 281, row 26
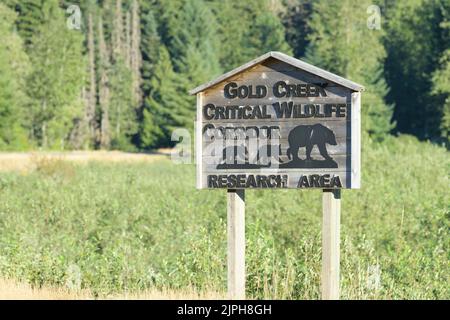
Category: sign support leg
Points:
column 236, row 243
column 330, row 243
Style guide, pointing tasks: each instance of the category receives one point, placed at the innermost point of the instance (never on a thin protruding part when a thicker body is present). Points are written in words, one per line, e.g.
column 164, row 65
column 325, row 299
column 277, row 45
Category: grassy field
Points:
column 116, row 228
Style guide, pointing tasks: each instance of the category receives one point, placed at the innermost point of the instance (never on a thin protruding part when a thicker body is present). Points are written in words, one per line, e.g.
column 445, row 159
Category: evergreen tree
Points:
column 56, row 81
column 414, row 47
column 13, row 68
column 247, row 29
column 348, row 48
column 30, row 17
column 295, row 20
column 164, row 108
column 267, row 35
column 195, row 49
column 233, row 30
column 194, row 46
column 189, row 41
column 167, row 15
column 149, row 132
column 149, row 46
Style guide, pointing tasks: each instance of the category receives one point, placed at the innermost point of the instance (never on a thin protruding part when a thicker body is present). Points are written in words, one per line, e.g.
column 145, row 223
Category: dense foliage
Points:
column 115, row 74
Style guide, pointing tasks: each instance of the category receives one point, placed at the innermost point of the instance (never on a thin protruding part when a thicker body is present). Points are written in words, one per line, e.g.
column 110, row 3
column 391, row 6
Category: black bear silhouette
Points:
column 308, row 136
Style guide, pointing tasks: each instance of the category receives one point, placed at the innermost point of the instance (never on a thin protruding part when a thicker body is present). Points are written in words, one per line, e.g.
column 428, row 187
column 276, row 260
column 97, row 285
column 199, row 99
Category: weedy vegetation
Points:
column 113, row 228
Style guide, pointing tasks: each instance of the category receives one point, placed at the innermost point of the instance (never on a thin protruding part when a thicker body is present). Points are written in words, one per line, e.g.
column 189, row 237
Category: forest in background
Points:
column 121, row 80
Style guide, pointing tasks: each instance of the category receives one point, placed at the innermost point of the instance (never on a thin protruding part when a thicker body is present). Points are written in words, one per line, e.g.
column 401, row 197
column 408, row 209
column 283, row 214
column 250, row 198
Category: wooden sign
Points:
column 278, row 122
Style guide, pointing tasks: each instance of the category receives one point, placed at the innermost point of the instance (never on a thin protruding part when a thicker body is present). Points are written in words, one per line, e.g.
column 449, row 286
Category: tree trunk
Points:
column 90, row 112
column 104, row 95
column 136, row 58
column 117, row 36
column 44, row 127
column 127, row 48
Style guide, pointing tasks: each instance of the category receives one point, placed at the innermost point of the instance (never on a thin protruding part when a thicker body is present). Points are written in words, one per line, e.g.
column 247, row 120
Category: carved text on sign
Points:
column 280, row 89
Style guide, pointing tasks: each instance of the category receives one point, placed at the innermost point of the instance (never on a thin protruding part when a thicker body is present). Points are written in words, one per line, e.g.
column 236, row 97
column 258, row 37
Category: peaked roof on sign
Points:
column 289, row 60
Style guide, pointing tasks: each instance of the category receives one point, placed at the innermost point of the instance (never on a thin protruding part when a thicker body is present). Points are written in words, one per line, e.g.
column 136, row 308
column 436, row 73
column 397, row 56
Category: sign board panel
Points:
column 278, row 122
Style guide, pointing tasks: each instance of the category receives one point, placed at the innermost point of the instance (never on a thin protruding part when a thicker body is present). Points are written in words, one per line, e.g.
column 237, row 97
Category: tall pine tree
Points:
column 341, row 42
column 414, row 46
column 149, row 46
column 247, row 29
column 195, row 54
column 267, row 34
column 164, row 107
column 295, row 20
column 150, row 132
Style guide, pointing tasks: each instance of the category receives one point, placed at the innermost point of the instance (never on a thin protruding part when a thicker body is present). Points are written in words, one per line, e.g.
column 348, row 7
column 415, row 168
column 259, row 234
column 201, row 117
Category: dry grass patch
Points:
column 13, row 290
column 27, row 161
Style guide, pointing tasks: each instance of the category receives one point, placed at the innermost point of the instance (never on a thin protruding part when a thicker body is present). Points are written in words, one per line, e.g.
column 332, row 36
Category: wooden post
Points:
column 236, row 243
column 199, row 140
column 356, row 140
column 330, row 243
